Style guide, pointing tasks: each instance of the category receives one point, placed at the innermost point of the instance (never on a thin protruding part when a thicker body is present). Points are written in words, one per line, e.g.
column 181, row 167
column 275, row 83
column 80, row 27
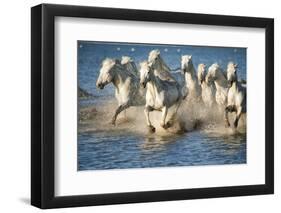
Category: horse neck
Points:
column 221, row 81
column 154, row 83
column 234, row 85
column 120, row 77
column 190, row 75
column 131, row 67
column 163, row 66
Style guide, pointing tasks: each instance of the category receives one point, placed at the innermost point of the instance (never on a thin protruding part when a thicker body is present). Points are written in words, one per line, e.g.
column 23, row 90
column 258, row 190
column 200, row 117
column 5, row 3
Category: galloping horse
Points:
column 208, row 90
column 160, row 95
column 191, row 80
column 127, row 90
column 215, row 74
column 236, row 99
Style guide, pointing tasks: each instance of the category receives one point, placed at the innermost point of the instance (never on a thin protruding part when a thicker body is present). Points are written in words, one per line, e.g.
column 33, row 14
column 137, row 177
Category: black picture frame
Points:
column 43, row 105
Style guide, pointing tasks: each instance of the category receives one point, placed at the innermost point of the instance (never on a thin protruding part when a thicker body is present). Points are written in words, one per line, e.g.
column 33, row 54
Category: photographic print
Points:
column 157, row 105
column 121, row 98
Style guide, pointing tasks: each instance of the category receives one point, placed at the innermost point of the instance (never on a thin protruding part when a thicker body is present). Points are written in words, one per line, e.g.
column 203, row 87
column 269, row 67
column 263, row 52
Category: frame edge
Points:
column 36, row 85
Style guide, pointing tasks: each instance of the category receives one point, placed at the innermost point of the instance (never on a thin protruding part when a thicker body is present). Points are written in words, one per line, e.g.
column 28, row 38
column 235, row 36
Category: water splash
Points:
column 190, row 117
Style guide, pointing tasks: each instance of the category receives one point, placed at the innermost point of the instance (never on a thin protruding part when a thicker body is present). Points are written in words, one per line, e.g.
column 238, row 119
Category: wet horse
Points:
column 191, row 80
column 208, row 90
column 236, row 98
column 127, row 89
column 161, row 95
column 216, row 75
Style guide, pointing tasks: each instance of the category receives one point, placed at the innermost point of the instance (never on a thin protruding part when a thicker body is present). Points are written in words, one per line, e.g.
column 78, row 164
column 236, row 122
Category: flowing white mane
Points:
column 144, row 65
column 130, row 65
column 214, row 67
column 201, row 68
column 160, row 67
column 126, row 60
column 201, row 72
column 107, row 64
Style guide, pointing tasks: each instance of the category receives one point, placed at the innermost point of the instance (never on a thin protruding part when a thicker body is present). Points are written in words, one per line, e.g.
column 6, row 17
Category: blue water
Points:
column 121, row 148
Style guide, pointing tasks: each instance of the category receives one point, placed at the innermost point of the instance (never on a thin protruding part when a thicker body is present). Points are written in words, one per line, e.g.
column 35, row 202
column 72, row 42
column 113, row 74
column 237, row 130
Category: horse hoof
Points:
column 151, row 129
column 113, row 122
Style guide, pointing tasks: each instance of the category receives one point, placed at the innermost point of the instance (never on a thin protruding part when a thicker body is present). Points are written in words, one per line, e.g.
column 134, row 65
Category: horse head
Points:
column 201, row 73
column 231, row 73
column 145, row 73
column 186, row 64
column 154, row 59
column 213, row 73
column 107, row 73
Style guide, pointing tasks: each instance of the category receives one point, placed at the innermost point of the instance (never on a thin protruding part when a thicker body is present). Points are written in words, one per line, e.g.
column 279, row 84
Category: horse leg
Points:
column 148, row 109
column 238, row 115
column 118, row 110
column 164, row 115
column 226, row 111
column 172, row 119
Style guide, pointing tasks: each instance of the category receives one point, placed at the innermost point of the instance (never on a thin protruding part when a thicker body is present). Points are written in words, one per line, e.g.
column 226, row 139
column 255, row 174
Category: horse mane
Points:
column 117, row 63
column 201, row 70
column 164, row 66
column 222, row 75
column 126, row 60
column 164, row 72
column 130, row 65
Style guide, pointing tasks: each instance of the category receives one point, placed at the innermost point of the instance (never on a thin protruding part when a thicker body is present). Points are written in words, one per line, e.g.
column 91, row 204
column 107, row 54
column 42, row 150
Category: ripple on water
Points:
column 120, row 149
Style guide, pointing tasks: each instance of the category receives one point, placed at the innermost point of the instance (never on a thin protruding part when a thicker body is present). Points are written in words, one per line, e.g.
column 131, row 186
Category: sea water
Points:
column 128, row 144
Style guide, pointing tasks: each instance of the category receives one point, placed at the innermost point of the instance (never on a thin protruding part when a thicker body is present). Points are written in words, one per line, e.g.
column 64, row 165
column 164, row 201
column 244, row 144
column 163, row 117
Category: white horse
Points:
column 236, row 99
column 208, row 90
column 159, row 67
column 129, row 64
column 126, row 85
column 215, row 74
column 191, row 80
column 160, row 95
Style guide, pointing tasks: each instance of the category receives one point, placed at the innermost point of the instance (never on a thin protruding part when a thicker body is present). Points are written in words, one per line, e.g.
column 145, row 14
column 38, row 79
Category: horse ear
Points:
column 190, row 57
column 235, row 65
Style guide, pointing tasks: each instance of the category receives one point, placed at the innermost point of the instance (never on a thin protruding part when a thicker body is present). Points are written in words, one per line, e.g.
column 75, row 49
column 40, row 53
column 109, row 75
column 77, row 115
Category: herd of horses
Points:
column 154, row 86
